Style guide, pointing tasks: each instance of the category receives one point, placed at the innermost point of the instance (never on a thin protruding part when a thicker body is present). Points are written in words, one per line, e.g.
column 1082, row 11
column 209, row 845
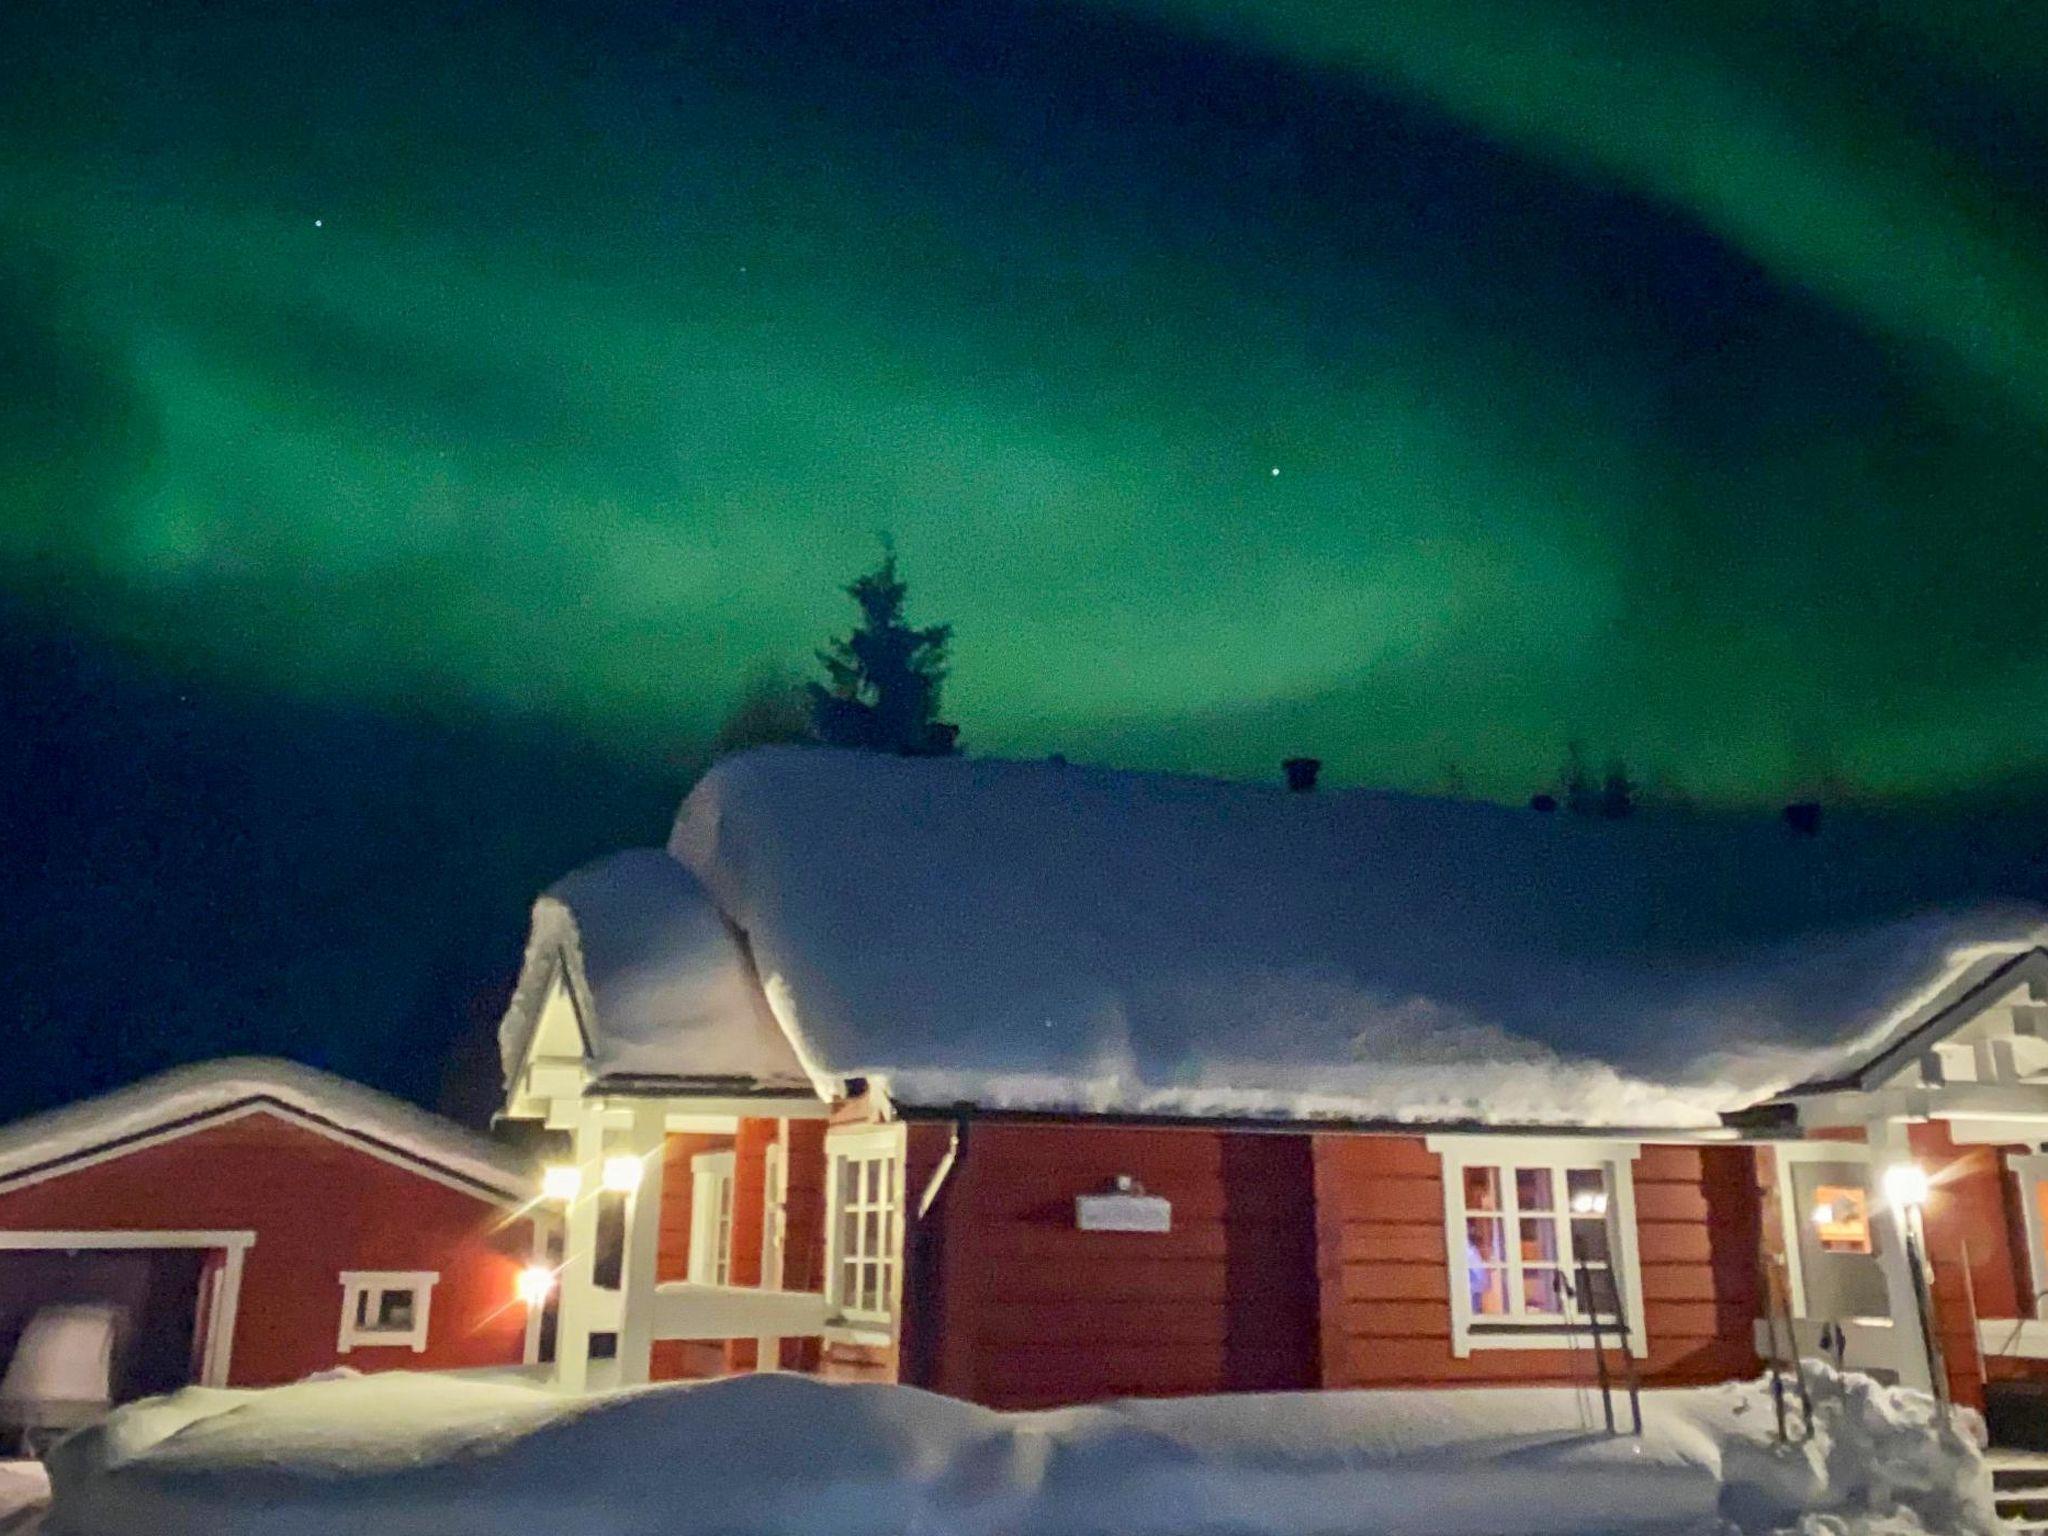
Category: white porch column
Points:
column 643, row 1140
column 577, row 1309
column 1888, row 1145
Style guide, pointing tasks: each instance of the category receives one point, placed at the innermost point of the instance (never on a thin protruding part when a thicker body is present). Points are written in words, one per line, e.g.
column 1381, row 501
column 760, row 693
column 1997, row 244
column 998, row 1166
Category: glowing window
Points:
column 1841, row 1218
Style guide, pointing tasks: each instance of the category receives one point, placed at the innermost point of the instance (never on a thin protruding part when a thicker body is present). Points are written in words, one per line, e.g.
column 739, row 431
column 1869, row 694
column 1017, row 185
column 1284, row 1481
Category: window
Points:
column 1841, row 1218
column 1535, row 1238
column 711, row 1218
column 1541, row 1241
column 863, row 1227
column 385, row 1307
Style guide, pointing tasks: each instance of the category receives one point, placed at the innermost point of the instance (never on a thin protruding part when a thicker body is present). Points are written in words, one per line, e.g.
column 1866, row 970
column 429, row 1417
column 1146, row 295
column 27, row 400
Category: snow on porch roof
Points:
column 1042, row 936
column 659, row 980
column 187, row 1097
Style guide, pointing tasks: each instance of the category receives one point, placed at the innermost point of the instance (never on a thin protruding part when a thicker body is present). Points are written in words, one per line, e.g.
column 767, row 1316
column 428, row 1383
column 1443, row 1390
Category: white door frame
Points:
column 227, row 1295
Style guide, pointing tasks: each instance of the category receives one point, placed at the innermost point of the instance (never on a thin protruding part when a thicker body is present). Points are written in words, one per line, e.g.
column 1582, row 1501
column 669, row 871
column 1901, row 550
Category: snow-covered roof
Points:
column 660, row 982
column 190, row 1097
column 1044, row 936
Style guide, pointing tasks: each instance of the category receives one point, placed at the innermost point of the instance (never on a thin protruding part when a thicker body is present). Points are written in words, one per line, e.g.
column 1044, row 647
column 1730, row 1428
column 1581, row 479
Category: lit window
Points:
column 711, row 1218
column 1534, row 1238
column 385, row 1308
column 864, row 1196
column 1841, row 1218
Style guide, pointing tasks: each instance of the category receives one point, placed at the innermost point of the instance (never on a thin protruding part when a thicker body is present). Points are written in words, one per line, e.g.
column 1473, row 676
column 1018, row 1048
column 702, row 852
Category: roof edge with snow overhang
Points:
column 188, row 1099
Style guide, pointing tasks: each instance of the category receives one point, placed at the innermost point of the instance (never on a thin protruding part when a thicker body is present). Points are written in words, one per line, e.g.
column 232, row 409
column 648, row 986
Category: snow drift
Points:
column 1038, row 935
column 781, row 1455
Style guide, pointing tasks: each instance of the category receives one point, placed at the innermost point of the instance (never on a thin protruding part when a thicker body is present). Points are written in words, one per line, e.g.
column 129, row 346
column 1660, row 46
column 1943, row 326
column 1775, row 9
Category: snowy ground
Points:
column 788, row 1456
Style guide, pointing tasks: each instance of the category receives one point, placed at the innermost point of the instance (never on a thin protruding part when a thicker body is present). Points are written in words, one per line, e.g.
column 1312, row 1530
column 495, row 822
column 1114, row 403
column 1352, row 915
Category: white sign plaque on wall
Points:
column 1123, row 1213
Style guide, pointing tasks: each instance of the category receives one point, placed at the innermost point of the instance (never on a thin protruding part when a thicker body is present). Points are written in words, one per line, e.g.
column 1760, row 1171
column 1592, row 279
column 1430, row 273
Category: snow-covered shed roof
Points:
column 188, row 1098
column 1044, row 936
column 659, row 981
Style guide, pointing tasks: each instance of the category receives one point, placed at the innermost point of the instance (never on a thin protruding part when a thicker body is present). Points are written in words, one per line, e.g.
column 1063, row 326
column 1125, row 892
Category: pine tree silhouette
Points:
column 884, row 679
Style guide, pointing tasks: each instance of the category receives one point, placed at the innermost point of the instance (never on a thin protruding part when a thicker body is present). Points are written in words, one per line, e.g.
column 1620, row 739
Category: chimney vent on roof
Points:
column 1301, row 773
column 1803, row 817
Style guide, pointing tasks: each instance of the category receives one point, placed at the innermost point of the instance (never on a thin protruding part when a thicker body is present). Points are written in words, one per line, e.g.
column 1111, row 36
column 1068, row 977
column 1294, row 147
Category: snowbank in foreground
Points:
column 781, row 1455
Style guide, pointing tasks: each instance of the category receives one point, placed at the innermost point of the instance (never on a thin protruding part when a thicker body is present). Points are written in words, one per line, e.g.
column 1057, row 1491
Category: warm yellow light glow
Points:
column 622, row 1174
column 561, row 1182
column 1905, row 1186
column 536, row 1281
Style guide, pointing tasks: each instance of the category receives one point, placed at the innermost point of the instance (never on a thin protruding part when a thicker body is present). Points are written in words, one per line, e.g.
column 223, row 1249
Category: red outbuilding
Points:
column 247, row 1222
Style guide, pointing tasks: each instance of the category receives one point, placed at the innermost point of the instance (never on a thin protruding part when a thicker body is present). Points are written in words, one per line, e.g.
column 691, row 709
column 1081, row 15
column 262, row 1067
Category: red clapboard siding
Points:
column 1386, row 1317
column 318, row 1206
column 1036, row 1312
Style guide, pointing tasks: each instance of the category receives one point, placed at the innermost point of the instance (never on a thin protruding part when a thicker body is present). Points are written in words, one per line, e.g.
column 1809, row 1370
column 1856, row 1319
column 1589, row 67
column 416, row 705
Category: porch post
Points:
column 577, row 1309
column 1889, row 1145
column 643, row 1140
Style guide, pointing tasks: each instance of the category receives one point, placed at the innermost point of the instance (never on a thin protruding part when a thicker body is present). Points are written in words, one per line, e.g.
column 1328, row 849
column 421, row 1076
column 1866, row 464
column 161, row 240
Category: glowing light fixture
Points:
column 622, row 1174
column 1905, row 1186
column 1590, row 1202
column 536, row 1283
column 561, row 1182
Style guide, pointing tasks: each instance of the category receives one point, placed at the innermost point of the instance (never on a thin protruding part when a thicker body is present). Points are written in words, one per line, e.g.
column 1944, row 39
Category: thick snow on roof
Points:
column 186, row 1093
column 660, row 981
column 785, row 1455
column 1038, row 935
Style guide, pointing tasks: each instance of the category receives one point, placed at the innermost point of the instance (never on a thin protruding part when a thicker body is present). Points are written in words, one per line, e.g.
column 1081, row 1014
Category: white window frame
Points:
column 884, row 1145
column 1615, row 1159
column 711, row 1209
column 365, row 1289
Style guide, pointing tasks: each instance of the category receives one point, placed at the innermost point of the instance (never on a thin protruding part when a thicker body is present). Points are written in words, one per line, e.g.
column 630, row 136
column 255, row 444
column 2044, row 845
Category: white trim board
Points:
column 115, row 1237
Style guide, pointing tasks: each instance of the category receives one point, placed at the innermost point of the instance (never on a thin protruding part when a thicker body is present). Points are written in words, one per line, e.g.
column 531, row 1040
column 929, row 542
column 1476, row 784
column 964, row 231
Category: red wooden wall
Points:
column 1385, row 1278
column 318, row 1207
column 1033, row 1311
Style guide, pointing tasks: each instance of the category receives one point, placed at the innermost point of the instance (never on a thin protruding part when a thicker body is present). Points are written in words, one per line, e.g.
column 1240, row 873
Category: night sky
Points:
column 416, row 420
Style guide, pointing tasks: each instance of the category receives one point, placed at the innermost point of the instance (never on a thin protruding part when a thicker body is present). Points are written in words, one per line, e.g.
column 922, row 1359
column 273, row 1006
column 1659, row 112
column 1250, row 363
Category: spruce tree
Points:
column 883, row 680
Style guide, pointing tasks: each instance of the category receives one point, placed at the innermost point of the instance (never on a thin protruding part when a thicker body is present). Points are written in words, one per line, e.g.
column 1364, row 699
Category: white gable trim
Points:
column 2026, row 970
column 507, row 1194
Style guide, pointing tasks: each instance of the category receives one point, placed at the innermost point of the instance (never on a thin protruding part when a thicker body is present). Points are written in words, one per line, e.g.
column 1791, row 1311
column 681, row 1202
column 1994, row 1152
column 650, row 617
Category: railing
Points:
column 687, row 1310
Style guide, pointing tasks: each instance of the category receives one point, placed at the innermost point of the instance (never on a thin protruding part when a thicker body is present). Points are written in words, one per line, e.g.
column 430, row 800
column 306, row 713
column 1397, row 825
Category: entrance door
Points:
column 1840, row 1242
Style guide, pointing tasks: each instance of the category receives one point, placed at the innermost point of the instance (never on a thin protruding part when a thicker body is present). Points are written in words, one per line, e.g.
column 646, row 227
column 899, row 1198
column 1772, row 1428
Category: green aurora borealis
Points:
column 1673, row 378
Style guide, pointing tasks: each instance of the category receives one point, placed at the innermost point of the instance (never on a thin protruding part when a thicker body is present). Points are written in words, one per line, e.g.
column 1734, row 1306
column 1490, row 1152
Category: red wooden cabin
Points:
column 255, row 1221
column 1034, row 1084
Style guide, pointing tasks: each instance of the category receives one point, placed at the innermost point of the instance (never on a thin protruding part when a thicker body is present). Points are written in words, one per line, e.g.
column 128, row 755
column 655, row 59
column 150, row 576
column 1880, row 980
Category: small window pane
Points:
column 1482, row 1189
column 1533, row 1189
column 1589, row 1240
column 1586, row 1191
column 394, row 1311
column 362, row 1309
column 1486, row 1240
column 1543, row 1291
column 1489, row 1291
column 1539, row 1241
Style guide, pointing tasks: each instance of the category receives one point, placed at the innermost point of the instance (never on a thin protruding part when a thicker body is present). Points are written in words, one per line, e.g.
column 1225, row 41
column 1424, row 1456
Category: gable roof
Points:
column 188, row 1099
column 659, row 981
column 1037, row 935
column 1979, row 982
